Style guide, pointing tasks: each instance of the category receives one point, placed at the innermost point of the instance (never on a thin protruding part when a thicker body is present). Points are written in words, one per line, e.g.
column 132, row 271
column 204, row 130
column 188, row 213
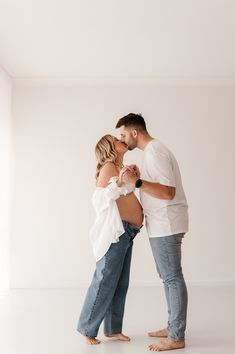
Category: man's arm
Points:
column 154, row 189
column 158, row 190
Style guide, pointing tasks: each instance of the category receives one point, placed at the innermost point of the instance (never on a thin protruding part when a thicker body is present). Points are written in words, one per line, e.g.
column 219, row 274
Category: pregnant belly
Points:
column 130, row 209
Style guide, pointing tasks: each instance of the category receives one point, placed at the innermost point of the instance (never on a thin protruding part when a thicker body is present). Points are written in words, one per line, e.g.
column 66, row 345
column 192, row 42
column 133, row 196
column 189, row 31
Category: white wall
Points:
column 5, row 176
column 56, row 128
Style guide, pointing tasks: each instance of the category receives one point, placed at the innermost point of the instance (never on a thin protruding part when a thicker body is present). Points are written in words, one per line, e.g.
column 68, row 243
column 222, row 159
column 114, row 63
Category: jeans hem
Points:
column 113, row 332
column 86, row 334
column 181, row 339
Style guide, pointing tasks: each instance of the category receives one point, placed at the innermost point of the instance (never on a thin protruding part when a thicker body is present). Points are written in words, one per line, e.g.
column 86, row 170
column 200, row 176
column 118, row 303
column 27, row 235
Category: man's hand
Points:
column 136, row 170
column 131, row 174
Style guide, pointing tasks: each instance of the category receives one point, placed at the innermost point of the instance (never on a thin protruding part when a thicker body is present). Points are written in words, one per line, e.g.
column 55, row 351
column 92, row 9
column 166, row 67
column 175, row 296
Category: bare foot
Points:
column 167, row 344
column 118, row 336
column 91, row 340
column 160, row 334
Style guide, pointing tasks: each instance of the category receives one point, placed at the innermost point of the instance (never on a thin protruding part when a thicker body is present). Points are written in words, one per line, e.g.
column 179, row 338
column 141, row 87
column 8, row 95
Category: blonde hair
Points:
column 104, row 152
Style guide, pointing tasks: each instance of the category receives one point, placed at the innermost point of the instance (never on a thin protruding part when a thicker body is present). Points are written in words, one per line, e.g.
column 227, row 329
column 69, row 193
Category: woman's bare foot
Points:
column 91, row 340
column 167, row 344
column 160, row 334
column 118, row 336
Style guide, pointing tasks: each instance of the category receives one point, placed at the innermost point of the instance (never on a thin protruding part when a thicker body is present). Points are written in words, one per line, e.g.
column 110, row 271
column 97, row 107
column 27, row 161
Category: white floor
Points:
column 44, row 321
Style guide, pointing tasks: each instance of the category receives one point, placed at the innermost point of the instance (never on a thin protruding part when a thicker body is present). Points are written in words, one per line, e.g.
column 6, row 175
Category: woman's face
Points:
column 119, row 146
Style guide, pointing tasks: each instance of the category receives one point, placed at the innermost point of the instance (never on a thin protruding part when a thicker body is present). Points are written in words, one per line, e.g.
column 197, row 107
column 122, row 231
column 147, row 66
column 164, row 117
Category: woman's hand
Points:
column 129, row 173
column 136, row 170
column 121, row 174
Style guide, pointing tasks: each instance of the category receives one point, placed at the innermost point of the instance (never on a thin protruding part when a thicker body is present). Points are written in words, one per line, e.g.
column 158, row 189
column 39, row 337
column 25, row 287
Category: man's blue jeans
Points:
column 167, row 255
column 105, row 299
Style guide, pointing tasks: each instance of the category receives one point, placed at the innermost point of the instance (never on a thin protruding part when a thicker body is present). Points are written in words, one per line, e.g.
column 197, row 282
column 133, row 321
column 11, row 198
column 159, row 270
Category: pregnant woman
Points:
column 119, row 218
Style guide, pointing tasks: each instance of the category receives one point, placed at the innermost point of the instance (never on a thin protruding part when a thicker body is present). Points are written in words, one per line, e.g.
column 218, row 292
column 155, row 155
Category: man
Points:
column 166, row 213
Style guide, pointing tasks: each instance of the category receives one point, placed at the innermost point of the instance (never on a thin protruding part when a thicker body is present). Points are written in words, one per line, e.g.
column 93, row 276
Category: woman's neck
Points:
column 119, row 162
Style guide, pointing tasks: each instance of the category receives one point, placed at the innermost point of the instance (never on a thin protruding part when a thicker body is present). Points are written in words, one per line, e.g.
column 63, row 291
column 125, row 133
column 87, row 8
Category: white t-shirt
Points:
column 163, row 217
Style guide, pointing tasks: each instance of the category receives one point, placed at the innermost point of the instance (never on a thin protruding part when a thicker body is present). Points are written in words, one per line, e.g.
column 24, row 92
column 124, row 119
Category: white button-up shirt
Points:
column 108, row 226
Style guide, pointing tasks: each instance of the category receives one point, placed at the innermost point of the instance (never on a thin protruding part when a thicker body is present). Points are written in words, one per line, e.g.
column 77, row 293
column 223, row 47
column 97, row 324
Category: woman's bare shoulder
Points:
column 107, row 171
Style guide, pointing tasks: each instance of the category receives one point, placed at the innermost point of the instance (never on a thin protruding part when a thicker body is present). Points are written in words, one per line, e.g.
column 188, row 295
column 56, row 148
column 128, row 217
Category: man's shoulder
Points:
column 158, row 148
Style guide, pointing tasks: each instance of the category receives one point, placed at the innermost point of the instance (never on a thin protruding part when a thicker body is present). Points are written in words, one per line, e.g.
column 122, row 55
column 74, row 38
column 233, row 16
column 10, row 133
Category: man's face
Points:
column 129, row 137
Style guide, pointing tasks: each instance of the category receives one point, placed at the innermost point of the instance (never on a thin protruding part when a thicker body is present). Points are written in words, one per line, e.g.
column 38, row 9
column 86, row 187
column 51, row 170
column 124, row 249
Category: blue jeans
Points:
column 105, row 299
column 167, row 255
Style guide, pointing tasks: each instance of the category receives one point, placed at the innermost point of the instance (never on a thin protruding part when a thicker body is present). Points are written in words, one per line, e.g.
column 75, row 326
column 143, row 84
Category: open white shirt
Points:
column 108, row 226
column 163, row 217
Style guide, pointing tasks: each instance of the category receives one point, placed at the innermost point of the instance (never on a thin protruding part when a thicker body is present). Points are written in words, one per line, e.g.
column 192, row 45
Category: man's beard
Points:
column 132, row 145
column 130, row 148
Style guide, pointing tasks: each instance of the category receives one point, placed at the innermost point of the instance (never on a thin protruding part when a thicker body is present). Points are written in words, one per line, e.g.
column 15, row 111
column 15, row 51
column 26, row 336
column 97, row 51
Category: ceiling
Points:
column 118, row 39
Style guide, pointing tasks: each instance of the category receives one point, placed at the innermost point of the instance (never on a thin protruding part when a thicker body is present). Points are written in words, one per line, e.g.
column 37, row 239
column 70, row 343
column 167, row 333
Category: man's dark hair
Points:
column 134, row 121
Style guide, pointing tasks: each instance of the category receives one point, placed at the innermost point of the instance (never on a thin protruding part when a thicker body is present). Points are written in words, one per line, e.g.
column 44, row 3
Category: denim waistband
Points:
column 130, row 228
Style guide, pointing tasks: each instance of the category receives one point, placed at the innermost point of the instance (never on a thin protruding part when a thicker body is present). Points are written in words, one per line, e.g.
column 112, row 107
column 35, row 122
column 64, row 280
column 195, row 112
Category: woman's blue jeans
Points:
column 167, row 254
column 105, row 299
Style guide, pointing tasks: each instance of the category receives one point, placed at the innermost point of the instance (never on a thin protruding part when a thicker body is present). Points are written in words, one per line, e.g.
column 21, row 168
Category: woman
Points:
column 119, row 218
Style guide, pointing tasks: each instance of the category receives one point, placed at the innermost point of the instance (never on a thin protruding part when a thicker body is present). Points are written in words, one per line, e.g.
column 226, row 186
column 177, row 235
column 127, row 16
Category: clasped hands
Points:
column 129, row 174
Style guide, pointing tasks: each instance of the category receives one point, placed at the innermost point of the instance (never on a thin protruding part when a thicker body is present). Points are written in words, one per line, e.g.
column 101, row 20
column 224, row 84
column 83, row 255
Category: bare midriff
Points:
column 130, row 209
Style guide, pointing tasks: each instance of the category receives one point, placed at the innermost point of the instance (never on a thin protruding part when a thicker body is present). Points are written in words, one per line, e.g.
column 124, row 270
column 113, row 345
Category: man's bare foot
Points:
column 167, row 344
column 91, row 340
column 160, row 334
column 118, row 336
